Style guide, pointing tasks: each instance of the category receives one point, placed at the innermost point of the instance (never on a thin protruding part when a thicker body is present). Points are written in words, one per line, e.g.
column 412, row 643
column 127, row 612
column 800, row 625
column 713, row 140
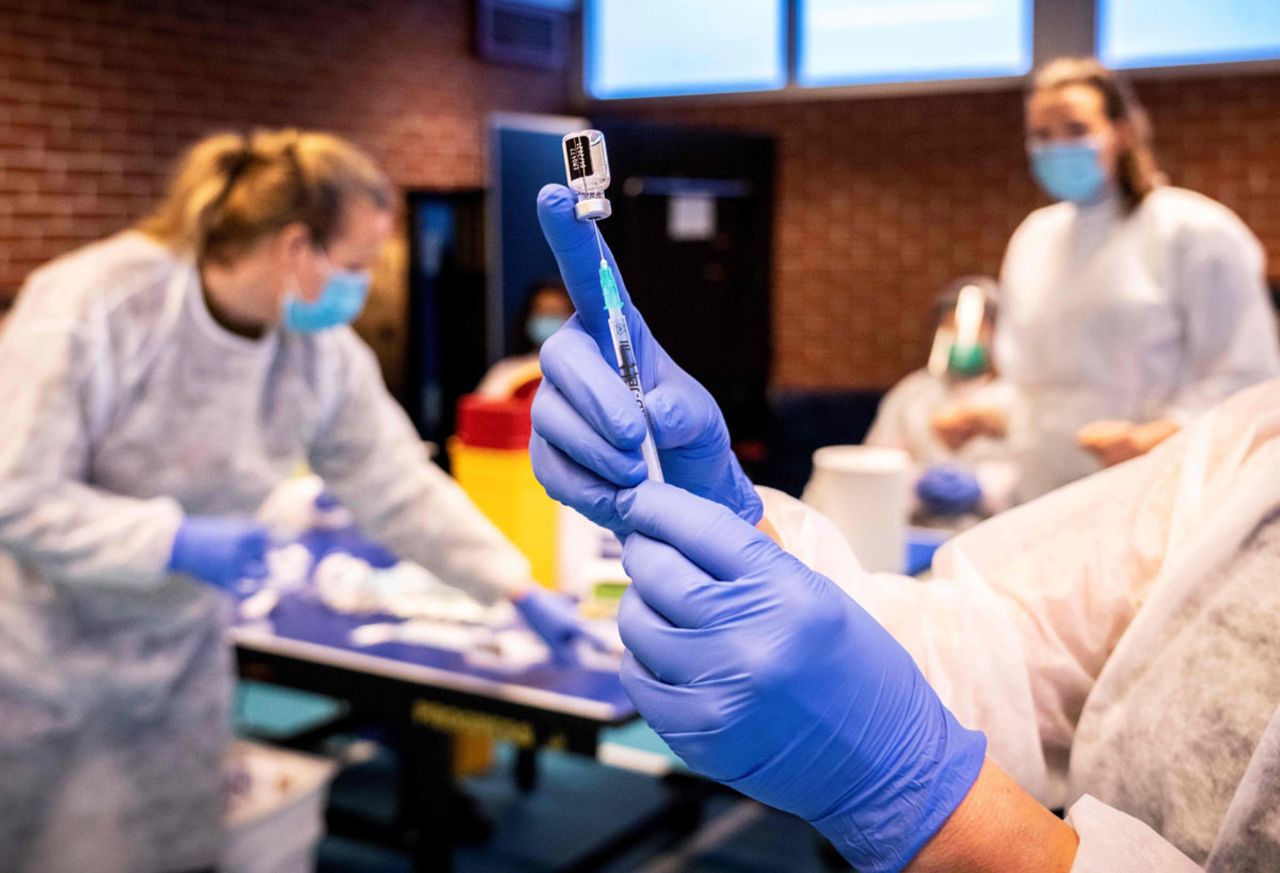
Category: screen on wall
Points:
column 655, row 48
column 1159, row 33
column 852, row 42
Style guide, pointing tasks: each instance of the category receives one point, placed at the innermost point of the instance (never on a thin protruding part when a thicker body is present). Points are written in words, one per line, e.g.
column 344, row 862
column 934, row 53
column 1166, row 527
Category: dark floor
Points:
column 577, row 803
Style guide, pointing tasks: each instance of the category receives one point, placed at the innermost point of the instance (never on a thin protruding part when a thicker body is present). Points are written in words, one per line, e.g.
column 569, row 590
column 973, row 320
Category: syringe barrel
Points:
column 629, row 370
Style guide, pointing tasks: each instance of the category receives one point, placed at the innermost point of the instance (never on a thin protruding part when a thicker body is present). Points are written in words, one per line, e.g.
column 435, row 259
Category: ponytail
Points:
column 230, row 191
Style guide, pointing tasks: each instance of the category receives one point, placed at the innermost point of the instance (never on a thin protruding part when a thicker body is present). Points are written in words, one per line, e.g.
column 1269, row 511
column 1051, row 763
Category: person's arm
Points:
column 49, row 517
column 1019, row 619
column 369, row 455
column 999, row 828
column 1229, row 326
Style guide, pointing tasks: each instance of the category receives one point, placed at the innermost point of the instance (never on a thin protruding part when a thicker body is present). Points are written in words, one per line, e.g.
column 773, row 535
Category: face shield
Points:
column 962, row 341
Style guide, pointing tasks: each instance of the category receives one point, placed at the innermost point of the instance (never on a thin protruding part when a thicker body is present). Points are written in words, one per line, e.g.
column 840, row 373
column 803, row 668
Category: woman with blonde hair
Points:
column 156, row 386
column 1130, row 306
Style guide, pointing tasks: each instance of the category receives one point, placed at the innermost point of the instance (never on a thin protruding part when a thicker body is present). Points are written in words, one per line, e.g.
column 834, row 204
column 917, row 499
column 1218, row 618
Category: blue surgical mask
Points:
column 541, row 327
column 340, row 301
column 1069, row 170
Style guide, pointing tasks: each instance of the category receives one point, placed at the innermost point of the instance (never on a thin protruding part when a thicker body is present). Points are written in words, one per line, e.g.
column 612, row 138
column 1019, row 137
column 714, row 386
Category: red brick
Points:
column 97, row 98
column 928, row 188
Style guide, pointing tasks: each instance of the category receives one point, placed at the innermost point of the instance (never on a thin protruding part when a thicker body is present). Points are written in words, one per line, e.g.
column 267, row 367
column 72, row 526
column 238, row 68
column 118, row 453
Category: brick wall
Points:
column 883, row 201
column 98, row 96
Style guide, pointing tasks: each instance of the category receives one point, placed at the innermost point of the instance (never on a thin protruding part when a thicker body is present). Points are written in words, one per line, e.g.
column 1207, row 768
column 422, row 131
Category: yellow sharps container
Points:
column 490, row 459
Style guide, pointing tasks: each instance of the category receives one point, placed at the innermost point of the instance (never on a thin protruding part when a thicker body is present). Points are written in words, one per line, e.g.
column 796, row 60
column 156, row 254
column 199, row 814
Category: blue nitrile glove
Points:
column 587, row 427
column 220, row 551
column 554, row 617
column 764, row 675
column 948, row 490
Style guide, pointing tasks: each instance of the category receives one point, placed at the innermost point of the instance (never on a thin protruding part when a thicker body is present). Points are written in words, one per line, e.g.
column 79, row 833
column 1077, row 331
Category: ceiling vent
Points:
column 530, row 33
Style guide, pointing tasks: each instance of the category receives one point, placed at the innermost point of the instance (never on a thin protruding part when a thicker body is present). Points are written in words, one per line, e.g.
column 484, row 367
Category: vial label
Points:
column 578, row 152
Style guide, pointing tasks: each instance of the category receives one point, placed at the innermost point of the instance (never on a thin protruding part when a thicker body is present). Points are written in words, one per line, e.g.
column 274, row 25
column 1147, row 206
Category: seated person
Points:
column 953, row 482
column 545, row 308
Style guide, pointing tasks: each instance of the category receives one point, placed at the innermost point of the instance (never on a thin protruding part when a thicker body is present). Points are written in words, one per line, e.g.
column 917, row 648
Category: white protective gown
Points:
column 125, row 407
column 1117, row 642
column 1158, row 314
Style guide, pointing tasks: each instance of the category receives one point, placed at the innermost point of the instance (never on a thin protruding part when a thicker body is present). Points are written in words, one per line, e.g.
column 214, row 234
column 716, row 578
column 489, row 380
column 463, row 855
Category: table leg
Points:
column 527, row 770
column 426, row 792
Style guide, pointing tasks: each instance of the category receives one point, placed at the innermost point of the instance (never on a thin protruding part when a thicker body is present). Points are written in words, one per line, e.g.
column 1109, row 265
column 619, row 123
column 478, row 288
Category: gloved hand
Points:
column 948, row 490
column 764, row 675
column 220, row 551
column 554, row 617
column 587, row 427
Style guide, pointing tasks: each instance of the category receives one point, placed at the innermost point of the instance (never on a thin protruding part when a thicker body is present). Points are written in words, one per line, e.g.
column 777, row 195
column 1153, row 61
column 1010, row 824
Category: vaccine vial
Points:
column 586, row 166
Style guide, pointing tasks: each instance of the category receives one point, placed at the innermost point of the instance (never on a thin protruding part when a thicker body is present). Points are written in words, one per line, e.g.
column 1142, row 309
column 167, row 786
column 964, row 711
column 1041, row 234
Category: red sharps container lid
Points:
column 489, row 423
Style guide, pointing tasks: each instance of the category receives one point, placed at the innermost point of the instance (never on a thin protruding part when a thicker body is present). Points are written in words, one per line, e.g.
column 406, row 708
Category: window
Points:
column 848, row 42
column 1159, row 33
column 652, row 48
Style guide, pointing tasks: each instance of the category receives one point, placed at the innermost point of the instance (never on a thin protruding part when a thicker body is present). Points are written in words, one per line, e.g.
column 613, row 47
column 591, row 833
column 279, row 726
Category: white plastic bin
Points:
column 275, row 814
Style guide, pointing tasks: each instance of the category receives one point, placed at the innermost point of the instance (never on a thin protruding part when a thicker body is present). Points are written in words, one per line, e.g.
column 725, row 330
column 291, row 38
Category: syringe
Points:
column 586, row 166
column 628, row 369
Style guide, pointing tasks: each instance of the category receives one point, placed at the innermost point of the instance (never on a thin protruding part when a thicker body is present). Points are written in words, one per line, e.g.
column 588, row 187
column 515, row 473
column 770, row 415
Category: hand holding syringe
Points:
column 591, row 439
column 587, row 167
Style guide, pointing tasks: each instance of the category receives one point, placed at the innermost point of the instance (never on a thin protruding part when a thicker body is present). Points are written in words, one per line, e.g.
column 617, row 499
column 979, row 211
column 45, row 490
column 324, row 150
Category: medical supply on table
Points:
column 349, row 585
column 586, row 165
column 508, row 636
column 502, row 650
column 302, row 509
column 865, row 491
column 490, row 458
column 835, row 724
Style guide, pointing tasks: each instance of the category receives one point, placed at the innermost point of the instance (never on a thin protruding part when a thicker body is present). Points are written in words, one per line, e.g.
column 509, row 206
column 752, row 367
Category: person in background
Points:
column 545, row 308
column 1129, row 306
column 156, row 386
column 975, row 478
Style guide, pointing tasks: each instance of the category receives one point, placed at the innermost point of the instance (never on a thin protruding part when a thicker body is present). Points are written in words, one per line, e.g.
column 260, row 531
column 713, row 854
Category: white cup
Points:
column 866, row 493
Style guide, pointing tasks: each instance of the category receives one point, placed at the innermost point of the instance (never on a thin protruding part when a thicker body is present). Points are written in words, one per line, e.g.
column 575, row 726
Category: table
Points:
column 428, row 694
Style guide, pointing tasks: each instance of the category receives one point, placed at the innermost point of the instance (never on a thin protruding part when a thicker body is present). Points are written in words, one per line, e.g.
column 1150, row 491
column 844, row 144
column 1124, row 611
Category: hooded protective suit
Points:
column 125, row 407
column 1117, row 641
